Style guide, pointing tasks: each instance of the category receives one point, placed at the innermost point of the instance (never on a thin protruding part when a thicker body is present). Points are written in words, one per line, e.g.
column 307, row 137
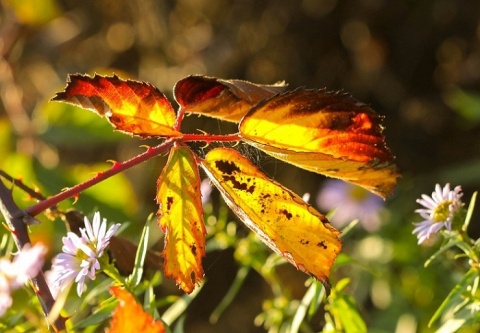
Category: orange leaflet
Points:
column 281, row 219
column 129, row 316
column 181, row 218
column 328, row 133
column 130, row 106
column 224, row 99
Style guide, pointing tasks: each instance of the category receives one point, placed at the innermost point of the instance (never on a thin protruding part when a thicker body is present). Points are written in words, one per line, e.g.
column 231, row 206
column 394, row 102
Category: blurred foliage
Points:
column 416, row 62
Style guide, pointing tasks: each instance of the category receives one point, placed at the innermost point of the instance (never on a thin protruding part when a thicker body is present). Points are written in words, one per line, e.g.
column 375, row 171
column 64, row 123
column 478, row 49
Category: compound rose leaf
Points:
column 181, row 218
column 132, row 107
column 325, row 132
column 281, row 219
column 224, row 99
column 129, row 316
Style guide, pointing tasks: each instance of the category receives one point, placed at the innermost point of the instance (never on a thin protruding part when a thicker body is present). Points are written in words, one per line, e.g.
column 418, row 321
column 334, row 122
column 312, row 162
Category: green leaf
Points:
column 98, row 316
column 343, row 307
column 231, row 293
column 471, row 207
column 310, row 297
column 455, row 297
column 178, row 308
column 318, row 297
column 450, row 243
column 465, row 104
column 180, row 325
column 134, row 279
column 349, row 227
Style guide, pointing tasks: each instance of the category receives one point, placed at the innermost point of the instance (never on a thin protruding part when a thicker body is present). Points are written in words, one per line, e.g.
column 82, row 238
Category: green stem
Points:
column 110, row 269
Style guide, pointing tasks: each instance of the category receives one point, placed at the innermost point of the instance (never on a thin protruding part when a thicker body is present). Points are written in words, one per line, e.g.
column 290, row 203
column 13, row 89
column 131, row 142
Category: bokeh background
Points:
column 416, row 62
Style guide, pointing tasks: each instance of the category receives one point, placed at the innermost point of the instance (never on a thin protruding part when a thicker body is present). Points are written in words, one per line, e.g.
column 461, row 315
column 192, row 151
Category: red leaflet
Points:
column 132, row 107
column 224, row 99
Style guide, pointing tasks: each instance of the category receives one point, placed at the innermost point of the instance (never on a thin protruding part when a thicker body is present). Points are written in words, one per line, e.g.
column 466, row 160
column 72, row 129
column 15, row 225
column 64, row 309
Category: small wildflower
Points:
column 79, row 259
column 14, row 274
column 205, row 190
column 351, row 202
column 439, row 211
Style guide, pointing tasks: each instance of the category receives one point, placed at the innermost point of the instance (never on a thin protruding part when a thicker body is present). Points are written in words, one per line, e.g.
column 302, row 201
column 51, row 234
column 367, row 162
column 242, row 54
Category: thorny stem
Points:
column 180, row 116
column 117, row 167
column 211, row 137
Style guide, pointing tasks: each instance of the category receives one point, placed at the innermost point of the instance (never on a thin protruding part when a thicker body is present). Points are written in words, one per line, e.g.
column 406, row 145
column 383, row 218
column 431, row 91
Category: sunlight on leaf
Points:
column 181, row 219
column 323, row 132
column 224, row 99
column 132, row 107
column 129, row 316
column 287, row 224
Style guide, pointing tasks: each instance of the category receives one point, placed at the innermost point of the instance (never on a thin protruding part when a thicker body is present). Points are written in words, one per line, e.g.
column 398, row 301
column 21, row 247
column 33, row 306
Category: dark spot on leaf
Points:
column 287, row 214
column 304, row 241
column 192, row 276
column 240, row 186
column 322, row 244
column 333, row 170
column 227, row 167
column 194, row 249
column 169, row 202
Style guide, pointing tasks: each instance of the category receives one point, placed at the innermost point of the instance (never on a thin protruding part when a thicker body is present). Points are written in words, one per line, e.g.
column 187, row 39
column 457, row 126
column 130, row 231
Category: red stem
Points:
column 211, row 137
column 121, row 166
column 180, row 116
column 116, row 168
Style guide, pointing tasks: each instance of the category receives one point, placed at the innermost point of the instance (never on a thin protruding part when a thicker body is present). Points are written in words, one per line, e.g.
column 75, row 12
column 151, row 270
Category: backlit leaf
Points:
column 287, row 224
column 130, row 106
column 328, row 133
column 181, row 218
column 224, row 99
column 129, row 316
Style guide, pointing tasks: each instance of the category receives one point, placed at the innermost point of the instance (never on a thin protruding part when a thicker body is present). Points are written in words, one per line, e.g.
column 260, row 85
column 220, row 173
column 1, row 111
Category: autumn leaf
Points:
column 325, row 132
column 224, row 99
column 181, row 218
column 129, row 316
column 132, row 107
column 281, row 219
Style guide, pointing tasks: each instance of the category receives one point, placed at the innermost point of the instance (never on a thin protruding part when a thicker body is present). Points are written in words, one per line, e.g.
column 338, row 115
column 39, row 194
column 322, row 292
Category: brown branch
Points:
column 18, row 183
column 17, row 221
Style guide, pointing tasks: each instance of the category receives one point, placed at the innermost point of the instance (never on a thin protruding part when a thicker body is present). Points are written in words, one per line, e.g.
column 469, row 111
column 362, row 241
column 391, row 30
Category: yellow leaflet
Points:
column 181, row 218
column 376, row 177
column 328, row 133
column 287, row 224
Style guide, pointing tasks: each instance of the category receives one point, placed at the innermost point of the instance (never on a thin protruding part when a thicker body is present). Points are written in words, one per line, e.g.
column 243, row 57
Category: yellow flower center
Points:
column 442, row 212
column 358, row 193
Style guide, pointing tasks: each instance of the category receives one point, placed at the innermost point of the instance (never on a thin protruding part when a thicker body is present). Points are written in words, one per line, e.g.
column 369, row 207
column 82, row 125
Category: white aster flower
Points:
column 14, row 274
column 96, row 233
column 439, row 211
column 79, row 259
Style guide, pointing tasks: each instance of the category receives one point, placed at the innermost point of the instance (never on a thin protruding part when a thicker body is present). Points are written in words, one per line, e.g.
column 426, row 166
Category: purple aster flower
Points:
column 206, row 190
column 79, row 259
column 350, row 202
column 439, row 211
column 14, row 274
